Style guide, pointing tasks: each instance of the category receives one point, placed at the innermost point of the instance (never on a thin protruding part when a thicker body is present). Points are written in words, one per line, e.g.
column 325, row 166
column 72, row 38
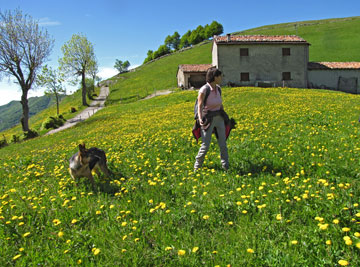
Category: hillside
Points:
column 11, row 113
column 290, row 197
column 331, row 39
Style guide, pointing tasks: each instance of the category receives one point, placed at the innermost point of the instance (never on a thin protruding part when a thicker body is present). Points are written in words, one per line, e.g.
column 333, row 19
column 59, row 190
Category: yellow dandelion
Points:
column 56, row 222
column 26, row 234
column 195, row 249
column 74, row 221
column 279, row 217
column 324, row 226
column 112, row 206
column 95, row 251
column 181, row 252
column 357, row 234
column 343, row 262
column 250, row 250
column 98, row 212
column 123, row 250
column 294, row 242
column 346, row 229
column 336, row 221
column 168, row 248
column 328, row 242
column 16, row 257
column 244, row 212
column 358, row 245
column 205, row 217
column 79, row 261
column 214, row 252
column 124, row 224
column 60, row 234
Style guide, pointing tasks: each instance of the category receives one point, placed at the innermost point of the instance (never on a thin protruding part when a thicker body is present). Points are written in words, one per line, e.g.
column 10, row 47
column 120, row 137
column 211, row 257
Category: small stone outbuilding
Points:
column 192, row 75
column 339, row 76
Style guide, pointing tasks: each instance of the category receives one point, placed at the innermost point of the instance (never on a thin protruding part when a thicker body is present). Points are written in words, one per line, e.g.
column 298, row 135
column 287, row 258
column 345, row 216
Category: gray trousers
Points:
column 217, row 122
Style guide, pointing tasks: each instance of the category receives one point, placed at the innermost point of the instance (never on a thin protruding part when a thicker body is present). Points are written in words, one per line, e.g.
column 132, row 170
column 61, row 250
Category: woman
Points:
column 211, row 115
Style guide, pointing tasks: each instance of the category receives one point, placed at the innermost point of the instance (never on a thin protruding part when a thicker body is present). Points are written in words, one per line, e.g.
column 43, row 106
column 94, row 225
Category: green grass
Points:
column 35, row 121
column 294, row 153
column 157, row 75
column 331, row 40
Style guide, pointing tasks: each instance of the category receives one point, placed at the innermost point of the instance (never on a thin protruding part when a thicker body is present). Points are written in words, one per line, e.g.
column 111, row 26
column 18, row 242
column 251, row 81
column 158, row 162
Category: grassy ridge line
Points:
column 331, row 39
column 157, row 75
column 293, row 158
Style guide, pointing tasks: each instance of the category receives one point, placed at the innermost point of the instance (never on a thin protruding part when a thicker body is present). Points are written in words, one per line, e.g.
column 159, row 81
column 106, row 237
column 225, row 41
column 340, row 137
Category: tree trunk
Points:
column 57, row 104
column 25, row 109
column 83, row 89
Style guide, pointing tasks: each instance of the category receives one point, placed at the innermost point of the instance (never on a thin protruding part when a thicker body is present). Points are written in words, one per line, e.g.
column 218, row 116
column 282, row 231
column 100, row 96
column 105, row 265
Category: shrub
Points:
column 3, row 143
column 53, row 122
column 15, row 139
column 30, row 134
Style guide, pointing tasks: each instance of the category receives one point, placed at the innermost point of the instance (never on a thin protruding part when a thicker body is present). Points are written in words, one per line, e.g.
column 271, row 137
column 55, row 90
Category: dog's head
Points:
column 83, row 154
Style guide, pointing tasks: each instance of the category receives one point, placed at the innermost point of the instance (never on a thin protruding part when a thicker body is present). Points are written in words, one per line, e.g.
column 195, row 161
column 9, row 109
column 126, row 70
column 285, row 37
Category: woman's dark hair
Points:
column 211, row 74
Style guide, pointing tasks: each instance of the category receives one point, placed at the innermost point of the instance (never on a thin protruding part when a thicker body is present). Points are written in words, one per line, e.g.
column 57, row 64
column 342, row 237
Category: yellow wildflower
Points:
column 181, row 252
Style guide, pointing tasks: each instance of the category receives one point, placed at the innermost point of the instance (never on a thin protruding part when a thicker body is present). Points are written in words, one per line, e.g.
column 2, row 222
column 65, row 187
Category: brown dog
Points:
column 86, row 160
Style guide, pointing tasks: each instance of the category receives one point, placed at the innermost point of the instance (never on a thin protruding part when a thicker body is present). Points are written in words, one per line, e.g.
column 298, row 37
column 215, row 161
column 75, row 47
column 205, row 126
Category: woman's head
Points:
column 211, row 74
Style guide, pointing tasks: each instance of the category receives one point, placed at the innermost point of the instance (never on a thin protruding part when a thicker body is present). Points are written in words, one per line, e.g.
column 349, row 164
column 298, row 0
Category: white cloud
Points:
column 10, row 91
column 107, row 72
column 48, row 22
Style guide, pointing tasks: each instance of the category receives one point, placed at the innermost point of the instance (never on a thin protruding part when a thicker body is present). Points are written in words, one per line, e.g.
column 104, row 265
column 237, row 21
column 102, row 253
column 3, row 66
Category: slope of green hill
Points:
column 158, row 75
column 35, row 121
column 331, row 39
column 11, row 113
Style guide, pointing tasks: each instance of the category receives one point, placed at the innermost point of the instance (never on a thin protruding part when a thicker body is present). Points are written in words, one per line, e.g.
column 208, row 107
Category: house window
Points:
column 286, row 76
column 244, row 76
column 244, row 52
column 286, row 51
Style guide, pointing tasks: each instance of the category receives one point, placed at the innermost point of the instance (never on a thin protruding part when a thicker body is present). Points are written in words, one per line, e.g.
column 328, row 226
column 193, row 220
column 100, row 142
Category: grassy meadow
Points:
column 290, row 198
column 331, row 39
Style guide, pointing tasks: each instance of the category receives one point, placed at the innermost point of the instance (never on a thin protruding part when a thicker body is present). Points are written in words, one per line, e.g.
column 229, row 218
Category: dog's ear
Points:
column 82, row 148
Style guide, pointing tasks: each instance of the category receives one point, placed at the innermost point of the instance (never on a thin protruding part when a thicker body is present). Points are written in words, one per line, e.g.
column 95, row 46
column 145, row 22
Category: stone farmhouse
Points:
column 271, row 61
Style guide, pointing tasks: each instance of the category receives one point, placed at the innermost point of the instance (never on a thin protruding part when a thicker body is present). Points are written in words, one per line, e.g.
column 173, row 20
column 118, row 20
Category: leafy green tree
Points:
column 149, row 56
column 196, row 35
column 163, row 50
column 121, row 66
column 78, row 59
column 215, row 28
column 53, row 81
column 168, row 41
column 184, row 41
column 24, row 47
column 175, row 40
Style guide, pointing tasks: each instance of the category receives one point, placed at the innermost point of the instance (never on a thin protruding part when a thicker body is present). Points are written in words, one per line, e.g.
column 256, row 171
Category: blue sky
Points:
column 126, row 30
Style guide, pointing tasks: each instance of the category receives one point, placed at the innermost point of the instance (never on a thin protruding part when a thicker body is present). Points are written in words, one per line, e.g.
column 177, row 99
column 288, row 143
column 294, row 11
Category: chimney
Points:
column 228, row 37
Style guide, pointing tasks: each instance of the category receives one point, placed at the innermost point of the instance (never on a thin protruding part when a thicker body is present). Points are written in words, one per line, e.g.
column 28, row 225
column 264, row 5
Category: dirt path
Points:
column 157, row 93
column 95, row 106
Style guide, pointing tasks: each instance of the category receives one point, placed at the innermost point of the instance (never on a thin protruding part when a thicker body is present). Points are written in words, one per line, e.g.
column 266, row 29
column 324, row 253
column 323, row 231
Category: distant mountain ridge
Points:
column 10, row 113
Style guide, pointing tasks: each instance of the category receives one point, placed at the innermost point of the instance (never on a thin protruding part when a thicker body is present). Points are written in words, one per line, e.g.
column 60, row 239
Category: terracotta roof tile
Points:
column 260, row 39
column 195, row 67
column 333, row 65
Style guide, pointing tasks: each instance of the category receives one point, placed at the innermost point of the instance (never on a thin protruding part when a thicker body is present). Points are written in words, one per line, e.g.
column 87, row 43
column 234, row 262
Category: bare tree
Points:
column 24, row 47
column 78, row 59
